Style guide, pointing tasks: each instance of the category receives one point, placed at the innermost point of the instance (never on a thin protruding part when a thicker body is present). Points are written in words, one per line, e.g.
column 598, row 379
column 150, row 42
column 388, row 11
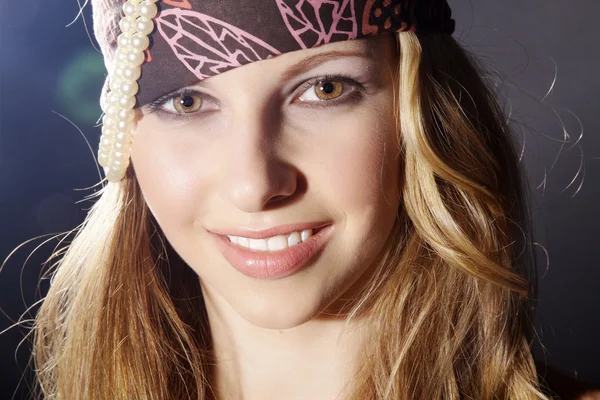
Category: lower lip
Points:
column 273, row 264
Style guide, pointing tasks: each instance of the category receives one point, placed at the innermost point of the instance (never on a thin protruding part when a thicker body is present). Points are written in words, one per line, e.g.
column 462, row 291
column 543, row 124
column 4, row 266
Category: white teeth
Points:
column 277, row 243
column 306, row 234
column 274, row 243
column 293, row 239
column 258, row 244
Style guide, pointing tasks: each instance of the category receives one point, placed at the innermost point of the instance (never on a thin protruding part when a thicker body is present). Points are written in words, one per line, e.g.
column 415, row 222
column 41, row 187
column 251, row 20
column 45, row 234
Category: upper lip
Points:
column 266, row 233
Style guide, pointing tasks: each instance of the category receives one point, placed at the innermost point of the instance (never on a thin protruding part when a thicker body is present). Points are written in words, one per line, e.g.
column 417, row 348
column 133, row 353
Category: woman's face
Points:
column 264, row 145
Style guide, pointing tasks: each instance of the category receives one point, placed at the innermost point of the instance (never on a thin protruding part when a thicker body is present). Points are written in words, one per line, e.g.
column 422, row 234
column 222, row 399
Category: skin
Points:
column 263, row 151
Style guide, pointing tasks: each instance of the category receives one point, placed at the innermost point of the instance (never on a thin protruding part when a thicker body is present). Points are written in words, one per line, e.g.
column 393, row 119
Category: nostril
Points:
column 277, row 199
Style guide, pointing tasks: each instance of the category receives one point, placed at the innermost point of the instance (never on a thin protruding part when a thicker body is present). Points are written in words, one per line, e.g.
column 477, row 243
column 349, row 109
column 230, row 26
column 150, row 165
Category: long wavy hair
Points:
column 448, row 304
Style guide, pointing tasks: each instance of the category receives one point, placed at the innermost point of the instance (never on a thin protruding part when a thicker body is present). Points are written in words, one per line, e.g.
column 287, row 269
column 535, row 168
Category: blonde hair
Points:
column 448, row 304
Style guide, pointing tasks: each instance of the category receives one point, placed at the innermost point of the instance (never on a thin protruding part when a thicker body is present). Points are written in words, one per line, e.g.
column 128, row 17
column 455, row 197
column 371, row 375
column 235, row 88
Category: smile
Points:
column 290, row 253
column 274, row 243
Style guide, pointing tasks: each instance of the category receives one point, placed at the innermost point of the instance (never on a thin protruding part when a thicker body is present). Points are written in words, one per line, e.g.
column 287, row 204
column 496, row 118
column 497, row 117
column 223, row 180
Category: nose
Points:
column 256, row 176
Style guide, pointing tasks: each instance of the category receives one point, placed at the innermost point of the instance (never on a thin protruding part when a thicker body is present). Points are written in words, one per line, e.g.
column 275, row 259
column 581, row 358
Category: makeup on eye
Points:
column 323, row 91
column 323, row 86
column 188, row 98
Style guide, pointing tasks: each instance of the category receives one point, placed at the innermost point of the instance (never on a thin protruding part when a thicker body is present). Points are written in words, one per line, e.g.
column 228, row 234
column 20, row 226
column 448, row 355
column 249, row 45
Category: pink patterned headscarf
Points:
column 196, row 39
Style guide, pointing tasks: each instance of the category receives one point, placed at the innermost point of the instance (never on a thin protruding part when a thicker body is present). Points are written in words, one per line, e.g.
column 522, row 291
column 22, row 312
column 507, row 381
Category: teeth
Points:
column 258, row 244
column 306, row 234
column 277, row 243
column 294, row 239
column 274, row 243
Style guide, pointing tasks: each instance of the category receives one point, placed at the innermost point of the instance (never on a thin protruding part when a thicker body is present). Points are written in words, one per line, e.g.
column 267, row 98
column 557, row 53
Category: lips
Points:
column 275, row 264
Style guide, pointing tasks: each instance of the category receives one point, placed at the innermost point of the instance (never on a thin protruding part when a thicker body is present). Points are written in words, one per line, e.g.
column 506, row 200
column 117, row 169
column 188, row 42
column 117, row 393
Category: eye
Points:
column 184, row 103
column 323, row 90
column 330, row 90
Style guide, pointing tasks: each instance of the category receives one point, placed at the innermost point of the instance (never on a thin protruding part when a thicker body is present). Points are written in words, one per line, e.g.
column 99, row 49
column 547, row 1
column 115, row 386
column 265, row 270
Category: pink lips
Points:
column 273, row 264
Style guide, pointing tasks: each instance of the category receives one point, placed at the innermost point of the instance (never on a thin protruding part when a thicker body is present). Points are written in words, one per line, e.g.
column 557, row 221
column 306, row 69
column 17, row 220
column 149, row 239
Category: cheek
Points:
column 360, row 169
column 359, row 177
column 173, row 176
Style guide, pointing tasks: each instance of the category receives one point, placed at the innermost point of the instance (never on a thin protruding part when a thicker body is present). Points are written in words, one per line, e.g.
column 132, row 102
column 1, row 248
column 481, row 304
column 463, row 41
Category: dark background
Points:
column 546, row 60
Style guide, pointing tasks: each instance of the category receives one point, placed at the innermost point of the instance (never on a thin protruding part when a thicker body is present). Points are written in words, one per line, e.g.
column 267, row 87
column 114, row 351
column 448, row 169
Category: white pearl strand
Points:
column 118, row 120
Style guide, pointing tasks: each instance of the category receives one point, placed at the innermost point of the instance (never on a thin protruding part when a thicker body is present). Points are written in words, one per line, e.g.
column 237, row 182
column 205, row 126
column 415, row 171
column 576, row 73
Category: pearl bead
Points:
column 129, row 88
column 112, row 110
column 127, row 102
column 144, row 25
column 124, row 41
column 112, row 98
column 120, row 65
column 139, row 42
column 107, row 155
column 148, row 9
column 121, row 156
column 106, row 142
column 136, row 58
column 115, row 84
column 125, row 149
column 130, row 9
column 107, row 131
column 121, row 56
column 120, row 164
column 109, row 121
column 127, row 24
column 114, row 175
column 124, row 126
column 118, row 72
column 103, row 159
column 119, row 104
column 122, row 138
column 131, row 73
column 126, row 114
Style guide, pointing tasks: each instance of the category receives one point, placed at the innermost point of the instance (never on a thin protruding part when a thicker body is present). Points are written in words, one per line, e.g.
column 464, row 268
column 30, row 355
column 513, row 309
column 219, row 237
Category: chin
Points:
column 281, row 309
column 277, row 320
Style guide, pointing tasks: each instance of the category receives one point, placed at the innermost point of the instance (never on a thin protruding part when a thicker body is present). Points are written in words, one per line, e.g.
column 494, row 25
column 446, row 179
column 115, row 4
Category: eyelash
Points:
column 358, row 90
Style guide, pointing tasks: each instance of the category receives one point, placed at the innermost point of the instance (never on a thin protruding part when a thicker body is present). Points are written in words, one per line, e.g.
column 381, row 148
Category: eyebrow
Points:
column 309, row 63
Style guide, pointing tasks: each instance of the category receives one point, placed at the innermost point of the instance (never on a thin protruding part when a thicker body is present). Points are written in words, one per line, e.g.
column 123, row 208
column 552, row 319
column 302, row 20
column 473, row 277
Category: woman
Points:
column 323, row 201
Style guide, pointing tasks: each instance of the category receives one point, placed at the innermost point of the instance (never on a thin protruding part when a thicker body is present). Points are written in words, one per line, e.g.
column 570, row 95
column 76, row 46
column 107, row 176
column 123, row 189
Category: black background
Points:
column 50, row 80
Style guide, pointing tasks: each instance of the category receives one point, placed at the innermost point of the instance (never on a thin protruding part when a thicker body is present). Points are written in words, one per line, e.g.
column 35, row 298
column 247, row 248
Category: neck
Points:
column 315, row 360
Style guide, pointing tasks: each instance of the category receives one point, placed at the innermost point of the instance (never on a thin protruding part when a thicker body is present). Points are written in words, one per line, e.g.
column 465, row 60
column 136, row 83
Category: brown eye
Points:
column 328, row 90
column 188, row 103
